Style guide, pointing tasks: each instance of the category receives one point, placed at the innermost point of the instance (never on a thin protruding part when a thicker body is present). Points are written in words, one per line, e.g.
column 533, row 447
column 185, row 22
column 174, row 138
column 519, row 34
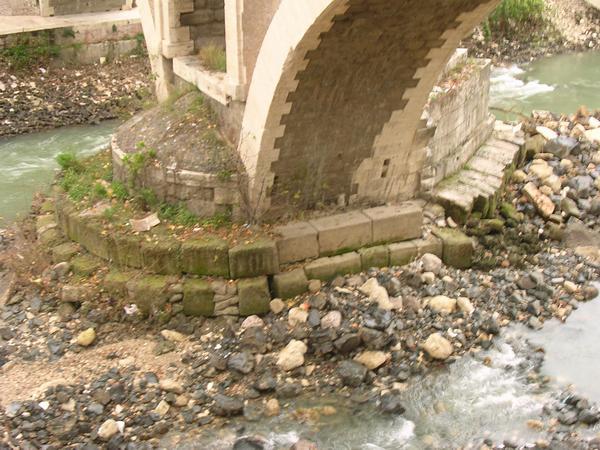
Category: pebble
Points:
column 438, row 347
column 86, row 338
column 108, row 429
column 277, row 306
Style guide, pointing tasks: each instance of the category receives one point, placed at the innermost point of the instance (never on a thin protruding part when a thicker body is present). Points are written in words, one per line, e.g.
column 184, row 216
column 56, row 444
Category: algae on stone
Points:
column 254, row 296
column 198, row 298
column 205, row 257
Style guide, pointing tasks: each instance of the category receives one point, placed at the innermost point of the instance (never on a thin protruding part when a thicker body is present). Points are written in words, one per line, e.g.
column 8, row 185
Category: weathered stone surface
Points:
column 86, row 338
column 50, row 237
column 374, row 256
column 372, row 359
column 431, row 263
column 205, row 257
column 149, row 293
column 254, row 296
column 128, row 251
column 290, row 284
column 198, row 298
column 161, row 256
column 402, row 253
column 542, row 203
column 85, row 265
column 115, row 283
column 352, row 373
column 396, row 223
column 442, row 304
column 326, row 269
column 254, row 259
column 457, row 248
column 298, row 241
column 65, row 251
column 343, row 232
column 431, row 244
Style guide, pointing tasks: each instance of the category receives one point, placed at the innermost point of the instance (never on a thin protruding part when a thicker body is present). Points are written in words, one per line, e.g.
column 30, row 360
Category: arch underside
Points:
column 349, row 123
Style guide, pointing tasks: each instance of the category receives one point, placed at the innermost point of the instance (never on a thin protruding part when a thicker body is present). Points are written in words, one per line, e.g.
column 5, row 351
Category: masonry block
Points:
column 431, row 244
column 403, row 253
column 205, row 257
column 115, row 283
column 298, row 241
column 290, row 284
column 51, row 237
column 127, row 251
column 92, row 238
column 374, row 257
column 328, row 268
column 149, row 293
column 85, row 265
column 65, row 251
column 343, row 232
column 457, row 248
column 254, row 296
column 161, row 256
column 198, row 298
column 396, row 223
column 254, row 259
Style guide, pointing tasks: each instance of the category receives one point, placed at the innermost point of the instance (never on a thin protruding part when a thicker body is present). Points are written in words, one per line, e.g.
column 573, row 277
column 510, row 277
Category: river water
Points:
column 28, row 161
column 458, row 406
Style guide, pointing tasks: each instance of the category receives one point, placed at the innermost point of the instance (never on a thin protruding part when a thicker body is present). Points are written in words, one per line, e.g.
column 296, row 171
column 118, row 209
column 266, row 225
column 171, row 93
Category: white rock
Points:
column 162, row 408
column 542, row 203
column 86, row 338
column 272, row 408
column 540, row 169
column 438, row 347
column 593, row 135
column 570, row 287
column 546, row 132
column 371, row 359
column 292, row 355
column 108, row 429
column 442, row 304
column 381, row 297
column 277, row 306
column 252, row 322
column 465, row 305
column 554, row 183
column 368, row 287
column 333, row 319
column 428, row 278
column 431, row 263
column 519, row 176
column 297, row 316
column 593, row 122
column 172, row 336
column 171, row 386
column 566, row 164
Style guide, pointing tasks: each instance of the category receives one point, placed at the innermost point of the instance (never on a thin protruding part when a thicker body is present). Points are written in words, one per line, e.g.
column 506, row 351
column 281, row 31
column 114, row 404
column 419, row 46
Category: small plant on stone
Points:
column 214, row 58
column 177, row 214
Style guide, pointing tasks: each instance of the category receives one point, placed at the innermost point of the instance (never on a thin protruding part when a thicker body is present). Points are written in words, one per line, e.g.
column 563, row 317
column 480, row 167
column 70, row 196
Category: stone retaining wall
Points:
column 462, row 124
column 19, row 8
column 243, row 278
column 206, row 23
column 204, row 194
column 64, row 7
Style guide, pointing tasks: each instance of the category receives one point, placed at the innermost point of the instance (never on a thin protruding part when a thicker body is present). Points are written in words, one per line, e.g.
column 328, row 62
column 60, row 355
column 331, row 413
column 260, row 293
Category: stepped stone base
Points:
column 477, row 186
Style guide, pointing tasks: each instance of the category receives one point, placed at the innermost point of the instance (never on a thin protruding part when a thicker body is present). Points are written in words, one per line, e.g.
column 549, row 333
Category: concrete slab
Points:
column 348, row 231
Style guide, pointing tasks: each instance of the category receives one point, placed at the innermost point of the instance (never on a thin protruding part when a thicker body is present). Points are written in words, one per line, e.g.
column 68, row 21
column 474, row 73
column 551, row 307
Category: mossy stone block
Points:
column 85, row 265
column 205, row 257
column 45, row 222
column 93, row 238
column 161, row 256
column 47, row 206
column 254, row 259
column 328, row 268
column 457, row 248
column 65, row 251
column 403, row 253
column 51, row 237
column 115, row 283
column 290, row 284
column 374, row 256
column 198, row 298
column 254, row 296
column 149, row 293
column 127, row 251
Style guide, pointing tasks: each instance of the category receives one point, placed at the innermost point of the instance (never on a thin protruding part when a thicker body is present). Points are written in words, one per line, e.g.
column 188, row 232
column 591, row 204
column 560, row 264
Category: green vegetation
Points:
column 512, row 15
column 136, row 162
column 68, row 161
column 214, row 58
column 23, row 55
column 84, row 180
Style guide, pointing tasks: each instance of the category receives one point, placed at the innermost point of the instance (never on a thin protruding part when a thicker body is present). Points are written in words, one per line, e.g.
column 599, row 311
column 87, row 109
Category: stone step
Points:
column 477, row 186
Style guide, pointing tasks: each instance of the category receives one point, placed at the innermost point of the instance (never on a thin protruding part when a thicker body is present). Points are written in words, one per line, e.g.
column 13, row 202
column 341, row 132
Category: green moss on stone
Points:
column 127, row 251
column 161, row 256
column 290, row 284
column 149, row 293
column 115, row 283
column 254, row 259
column 198, row 299
column 205, row 257
column 65, row 251
column 374, row 257
column 457, row 248
column 254, row 296
column 51, row 237
column 85, row 265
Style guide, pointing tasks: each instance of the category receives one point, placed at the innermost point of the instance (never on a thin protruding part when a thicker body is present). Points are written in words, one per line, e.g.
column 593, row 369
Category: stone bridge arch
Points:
column 336, row 97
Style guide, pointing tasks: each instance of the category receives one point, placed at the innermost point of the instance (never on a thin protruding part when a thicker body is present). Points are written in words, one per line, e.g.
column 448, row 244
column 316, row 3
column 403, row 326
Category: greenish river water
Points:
column 559, row 84
column 28, row 161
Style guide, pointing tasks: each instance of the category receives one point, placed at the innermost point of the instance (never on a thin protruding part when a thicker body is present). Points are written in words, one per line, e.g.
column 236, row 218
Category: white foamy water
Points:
column 506, row 86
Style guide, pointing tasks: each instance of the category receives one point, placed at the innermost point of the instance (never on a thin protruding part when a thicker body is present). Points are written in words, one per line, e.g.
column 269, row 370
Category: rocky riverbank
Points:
column 76, row 372
column 565, row 26
column 48, row 96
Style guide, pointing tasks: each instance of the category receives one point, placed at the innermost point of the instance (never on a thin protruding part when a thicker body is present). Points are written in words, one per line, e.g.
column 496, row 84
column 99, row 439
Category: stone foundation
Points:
column 206, row 23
